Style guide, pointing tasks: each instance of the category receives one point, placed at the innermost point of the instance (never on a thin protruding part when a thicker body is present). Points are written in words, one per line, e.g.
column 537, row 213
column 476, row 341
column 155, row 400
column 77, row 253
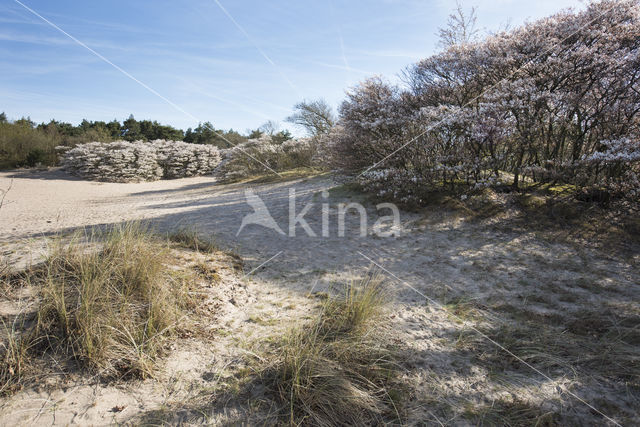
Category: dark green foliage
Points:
column 131, row 129
column 35, row 156
column 282, row 136
column 255, row 134
column 22, row 145
column 205, row 133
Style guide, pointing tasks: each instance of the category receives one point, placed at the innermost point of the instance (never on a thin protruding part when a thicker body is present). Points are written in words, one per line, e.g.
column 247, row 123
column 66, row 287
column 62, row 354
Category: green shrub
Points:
column 22, row 145
column 35, row 156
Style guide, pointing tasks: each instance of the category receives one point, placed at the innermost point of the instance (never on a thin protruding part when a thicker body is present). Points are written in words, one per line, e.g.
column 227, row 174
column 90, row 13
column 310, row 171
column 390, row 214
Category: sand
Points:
column 488, row 276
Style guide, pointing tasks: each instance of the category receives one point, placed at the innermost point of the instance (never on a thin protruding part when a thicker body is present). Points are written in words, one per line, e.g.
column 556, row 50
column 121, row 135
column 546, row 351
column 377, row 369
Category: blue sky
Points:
column 195, row 56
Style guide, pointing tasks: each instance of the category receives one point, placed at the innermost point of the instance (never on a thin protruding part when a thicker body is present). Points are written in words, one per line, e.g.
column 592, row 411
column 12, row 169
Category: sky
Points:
column 234, row 63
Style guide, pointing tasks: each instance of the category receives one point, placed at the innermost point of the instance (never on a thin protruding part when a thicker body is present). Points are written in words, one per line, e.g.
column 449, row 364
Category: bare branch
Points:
column 4, row 193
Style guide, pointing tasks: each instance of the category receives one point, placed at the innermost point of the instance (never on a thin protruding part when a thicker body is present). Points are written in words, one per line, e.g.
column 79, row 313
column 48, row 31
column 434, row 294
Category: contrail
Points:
column 341, row 39
column 264, row 55
column 342, row 67
column 147, row 87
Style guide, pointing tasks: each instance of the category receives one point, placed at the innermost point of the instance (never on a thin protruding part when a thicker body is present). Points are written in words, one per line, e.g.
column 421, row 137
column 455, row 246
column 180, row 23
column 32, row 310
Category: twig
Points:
column 4, row 193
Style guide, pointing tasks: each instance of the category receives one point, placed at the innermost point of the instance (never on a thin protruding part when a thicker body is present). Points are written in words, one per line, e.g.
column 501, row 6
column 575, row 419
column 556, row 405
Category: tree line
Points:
column 26, row 143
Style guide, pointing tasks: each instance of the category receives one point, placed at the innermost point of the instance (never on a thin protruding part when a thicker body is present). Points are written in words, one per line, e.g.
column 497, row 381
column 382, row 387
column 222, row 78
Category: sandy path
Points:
column 43, row 202
column 490, row 269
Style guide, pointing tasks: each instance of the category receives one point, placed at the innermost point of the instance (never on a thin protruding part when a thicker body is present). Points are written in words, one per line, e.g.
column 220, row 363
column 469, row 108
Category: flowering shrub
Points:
column 180, row 159
column 394, row 184
column 557, row 100
column 257, row 156
column 615, row 167
column 123, row 161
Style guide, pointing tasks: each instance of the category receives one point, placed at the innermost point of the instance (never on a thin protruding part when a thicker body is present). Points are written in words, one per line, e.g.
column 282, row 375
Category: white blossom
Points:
column 124, row 161
column 554, row 100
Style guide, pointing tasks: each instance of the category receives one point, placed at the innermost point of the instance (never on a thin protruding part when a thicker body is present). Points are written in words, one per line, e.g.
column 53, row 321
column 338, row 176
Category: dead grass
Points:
column 510, row 413
column 7, row 278
column 461, row 310
column 13, row 349
column 354, row 312
column 112, row 308
column 475, row 206
column 14, row 352
column 189, row 238
column 107, row 300
column 339, row 369
column 595, row 342
column 287, row 175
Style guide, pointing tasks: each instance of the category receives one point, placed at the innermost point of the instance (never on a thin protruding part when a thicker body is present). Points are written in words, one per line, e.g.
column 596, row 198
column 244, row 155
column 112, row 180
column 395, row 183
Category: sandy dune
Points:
column 491, row 277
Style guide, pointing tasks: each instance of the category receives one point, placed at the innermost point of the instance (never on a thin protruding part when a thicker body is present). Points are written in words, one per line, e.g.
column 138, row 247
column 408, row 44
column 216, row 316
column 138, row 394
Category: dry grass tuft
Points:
column 13, row 359
column 110, row 308
column 189, row 238
column 338, row 370
column 598, row 343
column 513, row 412
column 360, row 306
column 8, row 279
column 14, row 348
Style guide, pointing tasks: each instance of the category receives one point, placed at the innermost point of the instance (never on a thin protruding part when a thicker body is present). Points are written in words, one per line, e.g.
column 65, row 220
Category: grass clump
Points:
column 353, row 313
column 13, row 359
column 189, row 238
column 339, row 369
column 14, row 347
column 110, row 308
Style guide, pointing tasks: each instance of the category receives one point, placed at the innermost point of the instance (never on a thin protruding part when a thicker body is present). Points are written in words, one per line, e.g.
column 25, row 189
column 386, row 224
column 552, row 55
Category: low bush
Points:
column 123, row 161
column 21, row 145
column 261, row 155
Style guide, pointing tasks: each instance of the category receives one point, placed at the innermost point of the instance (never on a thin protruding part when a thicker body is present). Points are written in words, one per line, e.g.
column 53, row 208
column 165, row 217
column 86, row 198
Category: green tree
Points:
column 205, row 133
column 231, row 138
column 26, row 122
column 115, row 129
column 255, row 134
column 282, row 136
column 85, row 125
column 131, row 129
